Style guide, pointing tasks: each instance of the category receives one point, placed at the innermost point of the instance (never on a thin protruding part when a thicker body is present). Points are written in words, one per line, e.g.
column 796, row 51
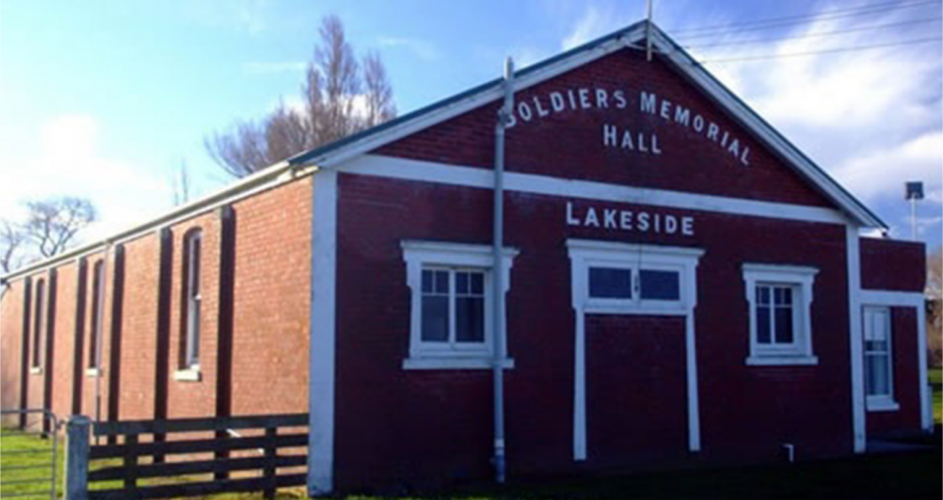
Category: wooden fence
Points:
column 146, row 458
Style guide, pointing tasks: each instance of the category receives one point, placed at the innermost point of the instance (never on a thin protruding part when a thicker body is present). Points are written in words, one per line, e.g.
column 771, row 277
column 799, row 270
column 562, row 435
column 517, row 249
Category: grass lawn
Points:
column 910, row 475
column 935, row 375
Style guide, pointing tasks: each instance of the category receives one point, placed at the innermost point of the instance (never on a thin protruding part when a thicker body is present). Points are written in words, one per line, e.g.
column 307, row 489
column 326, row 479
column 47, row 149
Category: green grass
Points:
column 935, row 375
column 11, row 442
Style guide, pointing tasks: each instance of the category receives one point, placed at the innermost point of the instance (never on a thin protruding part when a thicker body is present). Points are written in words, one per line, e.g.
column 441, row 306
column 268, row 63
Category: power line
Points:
column 829, row 51
column 814, row 35
column 780, row 22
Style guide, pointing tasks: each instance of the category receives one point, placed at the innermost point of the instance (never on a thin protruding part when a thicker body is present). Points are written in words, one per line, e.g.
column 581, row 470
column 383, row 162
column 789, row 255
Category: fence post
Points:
column 76, row 458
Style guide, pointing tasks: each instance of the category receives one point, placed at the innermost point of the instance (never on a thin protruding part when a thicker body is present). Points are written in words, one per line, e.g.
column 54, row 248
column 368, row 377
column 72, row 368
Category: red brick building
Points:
column 681, row 285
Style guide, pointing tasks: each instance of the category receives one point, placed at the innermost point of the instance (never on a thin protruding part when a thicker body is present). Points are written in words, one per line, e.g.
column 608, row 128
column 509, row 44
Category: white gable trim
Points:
column 456, row 175
column 690, row 68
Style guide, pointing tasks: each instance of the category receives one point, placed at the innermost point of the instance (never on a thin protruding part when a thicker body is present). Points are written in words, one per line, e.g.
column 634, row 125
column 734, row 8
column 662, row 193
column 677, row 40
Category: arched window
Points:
column 94, row 345
column 38, row 320
column 192, row 244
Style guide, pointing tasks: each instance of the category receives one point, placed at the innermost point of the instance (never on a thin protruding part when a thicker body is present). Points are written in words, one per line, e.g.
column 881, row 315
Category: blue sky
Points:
column 106, row 99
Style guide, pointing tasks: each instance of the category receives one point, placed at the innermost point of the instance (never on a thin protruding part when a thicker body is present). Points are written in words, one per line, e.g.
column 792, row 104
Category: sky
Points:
column 108, row 99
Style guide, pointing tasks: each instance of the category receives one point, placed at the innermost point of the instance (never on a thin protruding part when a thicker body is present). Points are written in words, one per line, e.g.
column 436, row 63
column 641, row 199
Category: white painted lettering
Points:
column 671, row 224
column 655, row 148
column 556, row 102
column 698, row 123
column 584, row 99
column 666, row 109
column 657, row 219
column 625, row 220
column 524, row 110
column 570, row 219
column 647, row 103
column 642, row 222
column 627, row 141
column 745, row 157
column 712, row 131
column 641, row 143
column 734, row 148
column 687, row 226
column 609, row 134
column 540, row 109
column 619, row 96
column 609, row 218
column 569, row 92
column 682, row 115
column 591, row 218
column 602, row 98
column 723, row 140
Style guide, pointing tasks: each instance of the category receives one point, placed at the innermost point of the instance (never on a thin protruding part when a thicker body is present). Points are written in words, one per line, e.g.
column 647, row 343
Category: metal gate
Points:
column 30, row 449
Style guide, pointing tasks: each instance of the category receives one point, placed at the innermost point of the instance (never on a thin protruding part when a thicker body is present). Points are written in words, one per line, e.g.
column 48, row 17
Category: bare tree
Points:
column 341, row 96
column 52, row 224
column 181, row 184
column 12, row 241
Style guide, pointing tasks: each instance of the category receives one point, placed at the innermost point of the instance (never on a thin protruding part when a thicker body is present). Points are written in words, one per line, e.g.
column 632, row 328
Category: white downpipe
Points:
column 497, row 271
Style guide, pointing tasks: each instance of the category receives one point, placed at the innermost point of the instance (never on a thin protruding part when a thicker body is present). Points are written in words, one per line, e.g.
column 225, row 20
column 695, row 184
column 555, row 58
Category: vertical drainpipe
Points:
column 497, row 279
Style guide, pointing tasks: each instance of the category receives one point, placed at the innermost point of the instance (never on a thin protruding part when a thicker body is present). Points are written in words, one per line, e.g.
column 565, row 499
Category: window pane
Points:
column 610, row 283
column 762, row 294
column 195, row 266
column 193, row 339
column 784, row 325
column 470, row 319
column 877, row 378
column 660, row 285
column 762, row 325
column 461, row 283
column 435, row 319
column 441, row 282
column 478, row 283
column 426, row 281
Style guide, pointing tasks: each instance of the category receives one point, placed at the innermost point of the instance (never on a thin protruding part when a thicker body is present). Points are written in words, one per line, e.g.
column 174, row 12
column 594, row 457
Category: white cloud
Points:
column 263, row 68
column 596, row 21
column 420, row 48
column 881, row 172
column 69, row 162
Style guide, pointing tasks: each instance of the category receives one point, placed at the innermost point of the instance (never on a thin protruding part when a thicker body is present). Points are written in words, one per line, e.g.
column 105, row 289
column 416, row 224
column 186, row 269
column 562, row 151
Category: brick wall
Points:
column 441, row 426
column 11, row 333
column 893, row 265
column 689, row 161
column 906, row 379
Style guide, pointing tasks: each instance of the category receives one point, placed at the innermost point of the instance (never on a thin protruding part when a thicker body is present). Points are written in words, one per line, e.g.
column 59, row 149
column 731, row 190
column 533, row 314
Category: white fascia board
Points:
column 458, row 175
column 696, row 73
column 263, row 180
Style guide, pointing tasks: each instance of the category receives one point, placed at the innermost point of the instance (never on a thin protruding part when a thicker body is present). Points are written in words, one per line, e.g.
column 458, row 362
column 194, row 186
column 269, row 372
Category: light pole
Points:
column 914, row 192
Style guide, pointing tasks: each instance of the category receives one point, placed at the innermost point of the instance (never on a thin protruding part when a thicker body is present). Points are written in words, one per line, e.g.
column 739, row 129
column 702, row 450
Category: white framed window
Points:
column 780, row 305
column 451, row 313
column 193, row 243
column 617, row 278
column 39, row 320
column 94, row 348
column 878, row 359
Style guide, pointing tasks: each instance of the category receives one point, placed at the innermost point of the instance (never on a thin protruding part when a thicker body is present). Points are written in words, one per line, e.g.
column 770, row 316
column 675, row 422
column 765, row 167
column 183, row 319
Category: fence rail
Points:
column 166, row 450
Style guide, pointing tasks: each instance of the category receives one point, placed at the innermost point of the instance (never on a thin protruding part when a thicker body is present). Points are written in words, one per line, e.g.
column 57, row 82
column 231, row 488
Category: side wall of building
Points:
column 254, row 321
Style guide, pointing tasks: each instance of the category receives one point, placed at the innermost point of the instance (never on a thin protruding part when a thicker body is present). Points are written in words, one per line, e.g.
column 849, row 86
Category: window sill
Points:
column 881, row 404
column 188, row 375
column 454, row 363
column 36, row 370
column 93, row 372
column 782, row 360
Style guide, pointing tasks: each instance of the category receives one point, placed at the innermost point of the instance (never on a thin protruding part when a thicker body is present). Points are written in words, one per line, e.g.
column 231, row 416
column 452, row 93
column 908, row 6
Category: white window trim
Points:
column 193, row 333
column 420, row 254
column 801, row 278
column 191, row 374
column 881, row 402
column 589, row 253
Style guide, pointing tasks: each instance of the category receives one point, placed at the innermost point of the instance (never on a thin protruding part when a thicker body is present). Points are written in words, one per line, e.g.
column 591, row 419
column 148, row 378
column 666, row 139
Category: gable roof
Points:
column 673, row 54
